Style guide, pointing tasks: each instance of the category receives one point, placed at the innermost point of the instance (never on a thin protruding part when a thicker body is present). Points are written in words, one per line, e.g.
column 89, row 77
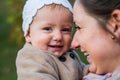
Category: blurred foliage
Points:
column 14, row 18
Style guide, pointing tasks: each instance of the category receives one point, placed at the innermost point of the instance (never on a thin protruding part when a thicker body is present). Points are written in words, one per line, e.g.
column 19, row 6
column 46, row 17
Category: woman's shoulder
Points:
column 116, row 74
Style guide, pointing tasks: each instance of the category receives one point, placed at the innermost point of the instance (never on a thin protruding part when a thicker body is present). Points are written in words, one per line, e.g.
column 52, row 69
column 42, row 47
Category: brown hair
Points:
column 100, row 8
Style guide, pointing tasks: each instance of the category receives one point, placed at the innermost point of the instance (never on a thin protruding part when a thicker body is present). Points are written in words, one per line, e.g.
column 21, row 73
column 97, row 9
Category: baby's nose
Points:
column 57, row 36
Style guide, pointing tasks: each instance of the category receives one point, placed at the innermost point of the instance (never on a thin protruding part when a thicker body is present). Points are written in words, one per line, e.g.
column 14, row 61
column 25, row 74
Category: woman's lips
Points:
column 88, row 59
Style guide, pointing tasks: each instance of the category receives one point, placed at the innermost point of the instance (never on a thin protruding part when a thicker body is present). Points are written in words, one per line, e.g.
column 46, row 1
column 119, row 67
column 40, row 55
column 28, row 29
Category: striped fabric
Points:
column 108, row 76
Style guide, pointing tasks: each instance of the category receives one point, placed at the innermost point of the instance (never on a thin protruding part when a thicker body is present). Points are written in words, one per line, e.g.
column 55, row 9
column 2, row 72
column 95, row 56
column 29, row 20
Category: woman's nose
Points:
column 75, row 42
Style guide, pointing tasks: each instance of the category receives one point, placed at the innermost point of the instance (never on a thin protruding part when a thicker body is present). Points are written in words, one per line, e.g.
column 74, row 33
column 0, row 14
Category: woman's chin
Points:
column 92, row 68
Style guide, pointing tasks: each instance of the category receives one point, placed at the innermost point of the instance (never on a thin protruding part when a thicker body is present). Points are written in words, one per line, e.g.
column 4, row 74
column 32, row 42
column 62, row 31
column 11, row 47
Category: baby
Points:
column 46, row 55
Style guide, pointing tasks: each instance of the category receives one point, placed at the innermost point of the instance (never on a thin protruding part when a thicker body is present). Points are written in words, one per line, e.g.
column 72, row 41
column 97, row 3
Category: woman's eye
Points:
column 77, row 28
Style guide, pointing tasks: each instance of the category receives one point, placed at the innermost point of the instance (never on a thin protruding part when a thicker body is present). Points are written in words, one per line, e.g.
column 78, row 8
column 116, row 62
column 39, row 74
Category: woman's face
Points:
column 94, row 41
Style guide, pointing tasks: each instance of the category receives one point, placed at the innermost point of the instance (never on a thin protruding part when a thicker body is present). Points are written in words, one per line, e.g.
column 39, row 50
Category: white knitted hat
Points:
column 31, row 7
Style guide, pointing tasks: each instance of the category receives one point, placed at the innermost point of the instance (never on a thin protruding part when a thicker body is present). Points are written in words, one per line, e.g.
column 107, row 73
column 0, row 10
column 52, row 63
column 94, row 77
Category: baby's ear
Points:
column 27, row 38
column 115, row 22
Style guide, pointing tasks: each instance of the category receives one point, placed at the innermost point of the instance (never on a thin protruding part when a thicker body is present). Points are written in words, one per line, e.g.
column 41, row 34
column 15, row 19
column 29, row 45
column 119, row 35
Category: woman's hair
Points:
column 100, row 8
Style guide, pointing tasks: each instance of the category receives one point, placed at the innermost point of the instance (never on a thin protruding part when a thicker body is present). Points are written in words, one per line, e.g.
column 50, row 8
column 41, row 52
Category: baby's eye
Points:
column 47, row 28
column 66, row 30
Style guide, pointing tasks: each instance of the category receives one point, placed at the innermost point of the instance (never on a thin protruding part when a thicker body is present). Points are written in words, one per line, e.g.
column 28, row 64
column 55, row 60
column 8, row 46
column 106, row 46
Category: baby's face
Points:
column 51, row 30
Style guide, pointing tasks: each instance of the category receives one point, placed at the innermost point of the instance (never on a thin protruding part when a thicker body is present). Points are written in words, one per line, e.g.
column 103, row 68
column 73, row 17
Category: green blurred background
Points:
column 11, row 36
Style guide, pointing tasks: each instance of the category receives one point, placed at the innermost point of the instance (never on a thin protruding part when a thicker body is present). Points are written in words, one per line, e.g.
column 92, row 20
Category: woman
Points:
column 98, row 36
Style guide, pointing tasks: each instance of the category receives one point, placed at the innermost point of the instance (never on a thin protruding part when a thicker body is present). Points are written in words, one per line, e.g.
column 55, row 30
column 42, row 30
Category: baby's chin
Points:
column 57, row 54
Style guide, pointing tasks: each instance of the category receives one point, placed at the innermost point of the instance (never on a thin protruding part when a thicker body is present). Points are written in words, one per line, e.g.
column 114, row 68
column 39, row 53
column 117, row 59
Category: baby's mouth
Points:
column 56, row 47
